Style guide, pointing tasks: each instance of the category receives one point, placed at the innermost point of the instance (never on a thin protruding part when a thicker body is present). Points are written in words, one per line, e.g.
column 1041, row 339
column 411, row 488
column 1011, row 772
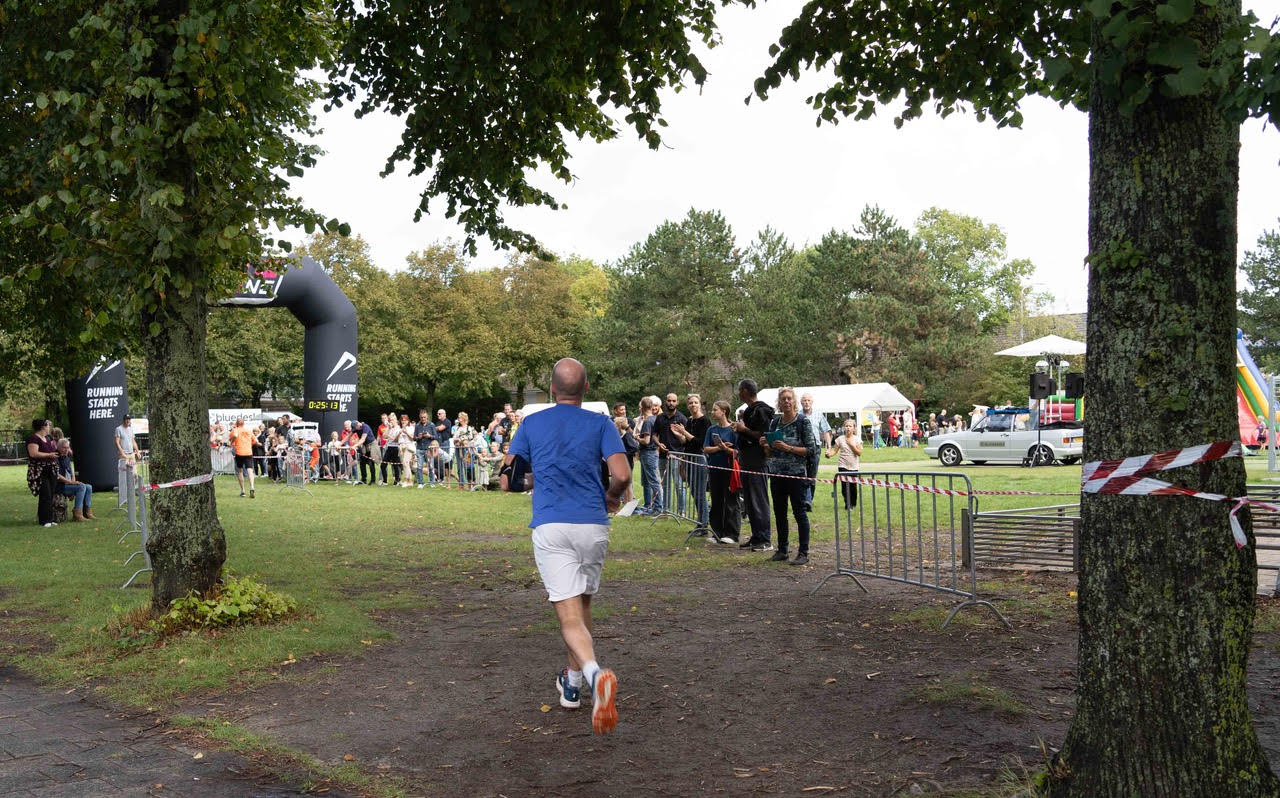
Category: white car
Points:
column 992, row 439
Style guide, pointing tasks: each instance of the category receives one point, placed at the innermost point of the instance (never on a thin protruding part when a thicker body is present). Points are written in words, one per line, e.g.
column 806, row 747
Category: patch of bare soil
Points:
column 728, row 685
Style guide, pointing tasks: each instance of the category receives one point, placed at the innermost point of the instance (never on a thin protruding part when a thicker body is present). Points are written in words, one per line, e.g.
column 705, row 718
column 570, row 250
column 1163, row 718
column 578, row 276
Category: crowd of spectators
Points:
column 423, row 453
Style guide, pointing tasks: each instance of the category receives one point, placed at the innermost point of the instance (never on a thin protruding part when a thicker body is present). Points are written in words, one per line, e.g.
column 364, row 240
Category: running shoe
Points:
column 728, row 541
column 762, row 547
column 801, row 559
column 570, row 696
column 604, row 710
column 778, row 556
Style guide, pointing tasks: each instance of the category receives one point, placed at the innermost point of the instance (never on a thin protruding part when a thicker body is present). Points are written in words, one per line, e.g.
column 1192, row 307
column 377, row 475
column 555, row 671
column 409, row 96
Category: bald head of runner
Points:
column 569, row 381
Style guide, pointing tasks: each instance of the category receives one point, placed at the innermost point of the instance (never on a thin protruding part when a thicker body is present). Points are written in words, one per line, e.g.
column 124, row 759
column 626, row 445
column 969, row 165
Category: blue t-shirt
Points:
column 720, row 458
column 564, row 445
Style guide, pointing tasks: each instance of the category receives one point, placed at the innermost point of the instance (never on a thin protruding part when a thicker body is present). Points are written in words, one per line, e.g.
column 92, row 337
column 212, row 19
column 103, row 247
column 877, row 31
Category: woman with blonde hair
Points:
column 790, row 443
column 404, row 441
column 464, row 452
column 648, row 452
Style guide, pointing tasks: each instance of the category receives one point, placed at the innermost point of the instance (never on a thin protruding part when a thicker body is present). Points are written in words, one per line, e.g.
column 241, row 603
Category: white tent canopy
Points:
column 846, row 400
column 595, row 407
column 1048, row 345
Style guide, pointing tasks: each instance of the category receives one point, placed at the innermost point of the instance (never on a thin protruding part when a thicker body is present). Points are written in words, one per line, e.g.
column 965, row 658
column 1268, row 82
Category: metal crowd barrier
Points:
column 222, row 459
column 1045, row 537
column 294, row 466
column 1266, row 533
column 137, row 507
column 909, row 536
column 683, row 478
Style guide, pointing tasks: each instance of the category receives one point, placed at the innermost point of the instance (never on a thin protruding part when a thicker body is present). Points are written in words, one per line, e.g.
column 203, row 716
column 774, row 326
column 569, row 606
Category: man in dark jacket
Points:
column 750, row 430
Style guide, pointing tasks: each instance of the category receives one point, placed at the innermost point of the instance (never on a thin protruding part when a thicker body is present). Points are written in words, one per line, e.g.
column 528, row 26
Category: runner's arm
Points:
column 619, row 481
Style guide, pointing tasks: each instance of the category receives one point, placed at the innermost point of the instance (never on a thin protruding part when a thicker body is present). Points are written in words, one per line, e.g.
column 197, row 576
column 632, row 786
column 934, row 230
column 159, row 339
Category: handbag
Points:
column 735, row 474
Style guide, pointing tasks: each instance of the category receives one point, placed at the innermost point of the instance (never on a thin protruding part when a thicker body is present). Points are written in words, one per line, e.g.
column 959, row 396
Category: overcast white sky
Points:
column 768, row 164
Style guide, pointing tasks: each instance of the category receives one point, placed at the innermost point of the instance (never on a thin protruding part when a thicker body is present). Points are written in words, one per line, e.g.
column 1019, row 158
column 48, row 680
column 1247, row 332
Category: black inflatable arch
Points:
column 99, row 401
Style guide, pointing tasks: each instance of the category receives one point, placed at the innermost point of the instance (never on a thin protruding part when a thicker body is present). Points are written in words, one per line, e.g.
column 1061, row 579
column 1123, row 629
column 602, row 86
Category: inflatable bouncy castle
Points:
column 1251, row 393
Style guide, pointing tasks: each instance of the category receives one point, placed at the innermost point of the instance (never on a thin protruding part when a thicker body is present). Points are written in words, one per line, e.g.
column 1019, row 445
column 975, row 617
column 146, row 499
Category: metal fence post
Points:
column 966, row 538
column 1075, row 546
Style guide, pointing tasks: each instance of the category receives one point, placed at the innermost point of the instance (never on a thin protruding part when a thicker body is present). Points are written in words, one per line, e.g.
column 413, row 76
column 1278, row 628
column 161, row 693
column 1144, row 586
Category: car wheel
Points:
column 1070, row 460
column 1041, row 455
column 949, row 455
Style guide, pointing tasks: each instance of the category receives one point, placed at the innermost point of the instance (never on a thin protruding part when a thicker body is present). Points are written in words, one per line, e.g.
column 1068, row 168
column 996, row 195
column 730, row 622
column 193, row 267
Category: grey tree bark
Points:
column 1166, row 598
column 187, row 545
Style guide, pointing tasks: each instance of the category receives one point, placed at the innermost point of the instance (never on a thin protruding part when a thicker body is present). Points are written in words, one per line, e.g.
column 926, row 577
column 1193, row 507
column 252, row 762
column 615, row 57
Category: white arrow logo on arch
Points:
column 98, row 369
column 345, row 362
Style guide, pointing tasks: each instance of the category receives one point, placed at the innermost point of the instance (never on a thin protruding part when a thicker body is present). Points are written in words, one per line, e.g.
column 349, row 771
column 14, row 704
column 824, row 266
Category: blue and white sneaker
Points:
column 570, row 696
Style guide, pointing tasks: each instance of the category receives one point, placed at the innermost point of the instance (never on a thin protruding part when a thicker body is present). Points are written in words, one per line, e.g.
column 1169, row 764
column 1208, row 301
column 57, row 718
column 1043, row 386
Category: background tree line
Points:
column 687, row 309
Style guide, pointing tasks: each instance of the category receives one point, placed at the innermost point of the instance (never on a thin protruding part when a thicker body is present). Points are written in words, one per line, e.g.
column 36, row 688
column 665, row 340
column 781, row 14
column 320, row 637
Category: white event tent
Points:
column 846, row 400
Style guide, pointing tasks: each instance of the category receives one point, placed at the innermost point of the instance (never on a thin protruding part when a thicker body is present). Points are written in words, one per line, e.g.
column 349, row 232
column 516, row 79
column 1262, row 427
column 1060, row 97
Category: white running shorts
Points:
column 569, row 558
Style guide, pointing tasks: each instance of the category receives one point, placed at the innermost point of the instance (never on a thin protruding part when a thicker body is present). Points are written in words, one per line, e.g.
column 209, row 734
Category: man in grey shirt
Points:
column 124, row 442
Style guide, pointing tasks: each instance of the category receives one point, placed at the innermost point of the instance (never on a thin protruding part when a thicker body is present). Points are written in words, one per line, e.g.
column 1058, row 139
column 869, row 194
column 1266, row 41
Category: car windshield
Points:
column 996, row 423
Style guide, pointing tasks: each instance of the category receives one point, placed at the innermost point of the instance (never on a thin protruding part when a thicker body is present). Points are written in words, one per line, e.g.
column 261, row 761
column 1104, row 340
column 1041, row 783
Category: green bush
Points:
column 236, row 602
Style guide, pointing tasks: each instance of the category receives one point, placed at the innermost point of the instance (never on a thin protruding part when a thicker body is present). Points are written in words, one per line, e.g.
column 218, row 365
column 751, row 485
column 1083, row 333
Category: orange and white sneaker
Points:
column 604, row 709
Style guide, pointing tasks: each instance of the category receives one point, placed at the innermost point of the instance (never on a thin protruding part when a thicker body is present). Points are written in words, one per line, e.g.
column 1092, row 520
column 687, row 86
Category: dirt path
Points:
column 63, row 743
column 732, row 685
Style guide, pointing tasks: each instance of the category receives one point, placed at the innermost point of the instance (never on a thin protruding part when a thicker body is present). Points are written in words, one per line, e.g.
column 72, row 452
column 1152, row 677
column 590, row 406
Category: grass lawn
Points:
column 344, row 554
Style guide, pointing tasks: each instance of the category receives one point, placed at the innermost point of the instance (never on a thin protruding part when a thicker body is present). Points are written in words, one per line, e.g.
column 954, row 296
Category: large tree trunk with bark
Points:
column 1166, row 598
column 187, row 545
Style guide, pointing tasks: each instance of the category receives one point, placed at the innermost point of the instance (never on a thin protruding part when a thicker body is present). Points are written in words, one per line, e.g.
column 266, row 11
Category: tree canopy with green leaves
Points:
column 490, row 89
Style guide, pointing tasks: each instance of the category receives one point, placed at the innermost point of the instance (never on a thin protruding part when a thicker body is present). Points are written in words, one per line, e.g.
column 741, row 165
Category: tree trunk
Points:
column 431, row 398
column 187, row 545
column 1166, row 598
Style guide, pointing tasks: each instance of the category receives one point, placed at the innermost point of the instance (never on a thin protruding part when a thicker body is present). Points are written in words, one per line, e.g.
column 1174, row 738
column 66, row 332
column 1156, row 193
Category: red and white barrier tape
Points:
column 1128, row 477
column 177, row 483
column 1112, row 476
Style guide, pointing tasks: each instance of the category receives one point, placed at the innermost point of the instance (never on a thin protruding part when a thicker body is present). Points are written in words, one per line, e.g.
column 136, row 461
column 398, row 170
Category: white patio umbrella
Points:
column 1048, row 345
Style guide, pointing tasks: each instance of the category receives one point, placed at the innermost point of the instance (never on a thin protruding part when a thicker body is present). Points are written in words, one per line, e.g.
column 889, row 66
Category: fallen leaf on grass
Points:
column 182, row 661
column 198, row 755
column 348, row 758
column 830, row 681
column 873, row 675
column 817, row 787
column 545, row 708
column 367, row 642
column 744, row 775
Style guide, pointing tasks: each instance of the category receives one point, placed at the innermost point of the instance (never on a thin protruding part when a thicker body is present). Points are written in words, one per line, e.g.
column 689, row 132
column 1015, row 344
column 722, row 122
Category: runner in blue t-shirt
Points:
column 564, row 446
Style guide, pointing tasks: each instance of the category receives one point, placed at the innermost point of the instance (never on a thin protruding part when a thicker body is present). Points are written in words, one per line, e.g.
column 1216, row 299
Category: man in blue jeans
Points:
column 648, row 453
column 822, row 430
